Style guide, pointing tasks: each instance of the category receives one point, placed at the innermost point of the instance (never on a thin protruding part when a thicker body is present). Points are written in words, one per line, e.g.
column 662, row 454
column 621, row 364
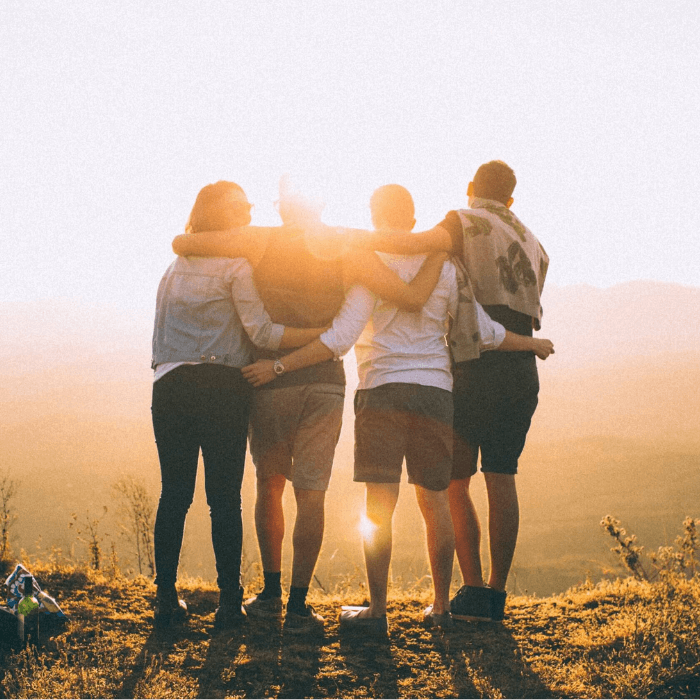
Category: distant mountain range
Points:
column 636, row 319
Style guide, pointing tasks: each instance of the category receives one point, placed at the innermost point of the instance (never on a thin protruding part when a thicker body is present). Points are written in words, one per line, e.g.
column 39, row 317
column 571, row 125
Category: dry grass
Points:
column 613, row 639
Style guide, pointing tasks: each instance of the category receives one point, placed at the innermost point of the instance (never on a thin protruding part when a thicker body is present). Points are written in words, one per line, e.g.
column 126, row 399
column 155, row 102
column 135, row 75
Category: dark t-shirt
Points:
column 304, row 289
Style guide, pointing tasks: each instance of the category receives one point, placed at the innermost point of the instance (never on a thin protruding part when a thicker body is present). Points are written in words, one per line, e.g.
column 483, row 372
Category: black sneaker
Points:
column 230, row 613
column 168, row 607
column 472, row 603
column 228, row 617
column 498, row 604
column 269, row 608
column 307, row 622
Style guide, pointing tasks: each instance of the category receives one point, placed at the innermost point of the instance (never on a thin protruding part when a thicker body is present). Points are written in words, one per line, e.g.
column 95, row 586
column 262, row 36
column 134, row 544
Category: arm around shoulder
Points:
column 249, row 242
column 434, row 240
column 366, row 268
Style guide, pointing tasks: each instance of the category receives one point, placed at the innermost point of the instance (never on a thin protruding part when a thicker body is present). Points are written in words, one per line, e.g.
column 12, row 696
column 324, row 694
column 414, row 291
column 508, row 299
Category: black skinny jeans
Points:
column 207, row 407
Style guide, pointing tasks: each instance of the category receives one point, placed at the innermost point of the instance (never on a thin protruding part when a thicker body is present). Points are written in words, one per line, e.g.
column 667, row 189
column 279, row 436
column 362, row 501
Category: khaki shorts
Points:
column 294, row 431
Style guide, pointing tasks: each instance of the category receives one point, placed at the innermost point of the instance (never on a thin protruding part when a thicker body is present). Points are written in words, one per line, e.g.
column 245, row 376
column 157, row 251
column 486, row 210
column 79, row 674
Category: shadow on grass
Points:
column 259, row 660
column 372, row 666
column 484, row 660
column 300, row 660
column 219, row 673
column 256, row 673
column 159, row 644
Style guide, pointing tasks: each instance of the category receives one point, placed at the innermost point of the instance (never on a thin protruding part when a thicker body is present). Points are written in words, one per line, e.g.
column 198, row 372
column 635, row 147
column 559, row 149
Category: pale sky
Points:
column 114, row 115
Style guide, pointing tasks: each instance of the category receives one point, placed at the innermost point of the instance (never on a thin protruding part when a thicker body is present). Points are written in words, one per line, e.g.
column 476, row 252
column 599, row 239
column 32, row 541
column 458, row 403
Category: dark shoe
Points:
column 230, row 613
column 498, row 604
column 169, row 608
column 263, row 607
column 350, row 621
column 442, row 620
column 472, row 603
column 229, row 617
column 308, row 622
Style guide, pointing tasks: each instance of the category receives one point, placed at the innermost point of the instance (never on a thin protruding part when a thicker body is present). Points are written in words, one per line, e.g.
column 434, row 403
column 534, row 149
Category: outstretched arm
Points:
column 434, row 240
column 494, row 336
column 365, row 267
column 335, row 342
column 542, row 347
column 248, row 242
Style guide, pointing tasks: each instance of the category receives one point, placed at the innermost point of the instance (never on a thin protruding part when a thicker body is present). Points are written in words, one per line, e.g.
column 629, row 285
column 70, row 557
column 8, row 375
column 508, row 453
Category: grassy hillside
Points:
column 614, row 639
column 565, row 487
column 615, row 432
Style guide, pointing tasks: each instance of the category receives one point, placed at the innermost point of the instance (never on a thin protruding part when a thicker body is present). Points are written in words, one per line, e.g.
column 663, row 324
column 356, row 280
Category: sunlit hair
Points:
column 219, row 206
column 295, row 207
column 392, row 206
column 494, row 180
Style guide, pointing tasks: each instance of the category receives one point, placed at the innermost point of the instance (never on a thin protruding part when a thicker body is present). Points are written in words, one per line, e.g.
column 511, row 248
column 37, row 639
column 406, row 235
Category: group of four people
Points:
column 302, row 285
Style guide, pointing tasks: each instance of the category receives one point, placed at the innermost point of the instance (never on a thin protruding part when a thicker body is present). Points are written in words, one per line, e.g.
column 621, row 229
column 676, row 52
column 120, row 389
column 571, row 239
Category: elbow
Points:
column 261, row 341
column 178, row 247
column 332, row 349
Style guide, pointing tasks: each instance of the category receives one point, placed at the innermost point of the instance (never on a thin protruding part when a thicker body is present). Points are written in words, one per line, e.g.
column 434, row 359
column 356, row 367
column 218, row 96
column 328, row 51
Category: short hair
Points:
column 494, row 180
column 295, row 208
column 214, row 211
column 392, row 205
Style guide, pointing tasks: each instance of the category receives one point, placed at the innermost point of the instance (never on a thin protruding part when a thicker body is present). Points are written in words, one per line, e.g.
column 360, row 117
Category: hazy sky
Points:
column 114, row 115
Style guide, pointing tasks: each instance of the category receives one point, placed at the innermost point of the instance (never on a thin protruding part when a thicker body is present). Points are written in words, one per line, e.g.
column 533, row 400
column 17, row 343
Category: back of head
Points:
column 297, row 209
column 392, row 208
column 494, row 180
column 219, row 206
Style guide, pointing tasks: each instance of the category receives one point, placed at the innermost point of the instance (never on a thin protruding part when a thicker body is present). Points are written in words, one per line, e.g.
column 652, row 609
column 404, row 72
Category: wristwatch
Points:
column 278, row 368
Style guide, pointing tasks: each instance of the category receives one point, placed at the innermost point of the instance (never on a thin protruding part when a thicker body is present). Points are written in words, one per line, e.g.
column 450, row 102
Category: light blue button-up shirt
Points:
column 209, row 311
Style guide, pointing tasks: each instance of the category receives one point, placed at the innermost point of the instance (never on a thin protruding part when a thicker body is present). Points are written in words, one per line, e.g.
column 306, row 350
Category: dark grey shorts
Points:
column 397, row 420
column 495, row 398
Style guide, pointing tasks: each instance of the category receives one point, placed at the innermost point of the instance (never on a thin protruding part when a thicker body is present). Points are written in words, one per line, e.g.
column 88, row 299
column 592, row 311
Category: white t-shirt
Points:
column 403, row 346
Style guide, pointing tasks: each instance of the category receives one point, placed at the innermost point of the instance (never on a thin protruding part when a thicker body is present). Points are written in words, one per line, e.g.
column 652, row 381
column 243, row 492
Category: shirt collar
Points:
column 483, row 203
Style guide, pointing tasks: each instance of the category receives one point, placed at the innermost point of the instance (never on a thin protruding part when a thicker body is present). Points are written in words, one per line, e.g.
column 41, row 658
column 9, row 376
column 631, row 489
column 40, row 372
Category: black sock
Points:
column 273, row 585
column 297, row 599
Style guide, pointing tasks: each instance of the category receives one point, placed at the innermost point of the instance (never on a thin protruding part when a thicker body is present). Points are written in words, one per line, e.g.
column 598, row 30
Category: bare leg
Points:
column 381, row 502
column 467, row 532
column 435, row 507
column 308, row 535
column 269, row 521
column 504, row 519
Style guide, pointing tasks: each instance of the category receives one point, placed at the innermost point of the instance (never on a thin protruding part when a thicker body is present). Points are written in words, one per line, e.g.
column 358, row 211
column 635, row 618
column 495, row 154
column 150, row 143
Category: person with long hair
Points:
column 208, row 319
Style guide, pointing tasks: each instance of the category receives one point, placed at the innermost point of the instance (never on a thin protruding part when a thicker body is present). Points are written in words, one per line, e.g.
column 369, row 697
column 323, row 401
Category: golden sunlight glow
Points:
column 367, row 528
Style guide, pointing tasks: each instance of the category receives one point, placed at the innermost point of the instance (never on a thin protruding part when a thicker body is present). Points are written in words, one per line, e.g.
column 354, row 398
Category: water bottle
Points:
column 28, row 613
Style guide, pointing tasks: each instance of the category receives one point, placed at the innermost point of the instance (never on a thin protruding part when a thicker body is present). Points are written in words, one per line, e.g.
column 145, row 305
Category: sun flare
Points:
column 367, row 528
